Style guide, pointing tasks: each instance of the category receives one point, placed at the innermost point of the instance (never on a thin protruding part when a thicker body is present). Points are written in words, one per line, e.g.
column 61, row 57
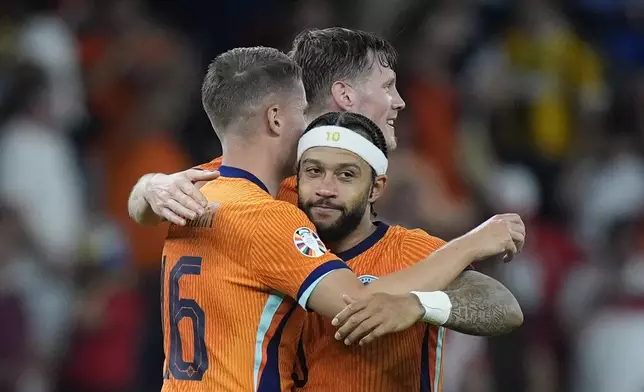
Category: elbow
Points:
column 514, row 316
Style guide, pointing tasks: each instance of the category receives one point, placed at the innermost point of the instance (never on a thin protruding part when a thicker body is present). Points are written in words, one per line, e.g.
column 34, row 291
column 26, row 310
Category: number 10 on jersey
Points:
column 180, row 308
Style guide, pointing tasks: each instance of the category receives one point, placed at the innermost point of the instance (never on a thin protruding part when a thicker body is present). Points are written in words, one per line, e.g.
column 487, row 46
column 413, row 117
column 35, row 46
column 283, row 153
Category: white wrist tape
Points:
column 437, row 306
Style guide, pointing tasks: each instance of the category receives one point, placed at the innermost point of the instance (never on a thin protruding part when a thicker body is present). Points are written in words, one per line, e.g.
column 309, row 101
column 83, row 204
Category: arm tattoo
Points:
column 482, row 306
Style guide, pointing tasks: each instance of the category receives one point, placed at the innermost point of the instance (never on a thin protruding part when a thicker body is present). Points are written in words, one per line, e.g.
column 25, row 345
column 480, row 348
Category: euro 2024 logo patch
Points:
column 308, row 242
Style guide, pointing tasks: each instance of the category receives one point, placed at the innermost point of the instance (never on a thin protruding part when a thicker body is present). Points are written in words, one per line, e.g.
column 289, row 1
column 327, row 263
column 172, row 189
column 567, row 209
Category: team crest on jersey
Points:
column 366, row 279
column 308, row 242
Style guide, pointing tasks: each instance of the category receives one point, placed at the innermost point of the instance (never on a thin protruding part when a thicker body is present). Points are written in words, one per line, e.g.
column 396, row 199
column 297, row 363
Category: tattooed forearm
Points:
column 482, row 306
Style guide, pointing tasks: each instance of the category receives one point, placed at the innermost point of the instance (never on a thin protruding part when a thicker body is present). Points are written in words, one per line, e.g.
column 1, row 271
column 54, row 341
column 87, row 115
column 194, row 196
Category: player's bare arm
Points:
column 482, row 306
column 500, row 235
column 360, row 321
column 159, row 197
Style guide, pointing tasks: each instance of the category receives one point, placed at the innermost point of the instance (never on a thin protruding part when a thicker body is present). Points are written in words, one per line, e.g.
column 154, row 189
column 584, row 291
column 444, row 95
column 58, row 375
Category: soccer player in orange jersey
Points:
column 343, row 70
column 341, row 173
column 233, row 280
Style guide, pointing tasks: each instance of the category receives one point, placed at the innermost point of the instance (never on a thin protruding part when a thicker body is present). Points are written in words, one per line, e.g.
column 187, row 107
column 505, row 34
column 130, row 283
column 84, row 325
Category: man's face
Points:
column 334, row 187
column 379, row 100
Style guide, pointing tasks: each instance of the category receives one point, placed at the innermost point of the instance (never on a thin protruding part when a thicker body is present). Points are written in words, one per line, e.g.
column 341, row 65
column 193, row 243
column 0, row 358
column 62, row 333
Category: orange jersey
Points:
column 288, row 187
column 231, row 281
column 407, row 361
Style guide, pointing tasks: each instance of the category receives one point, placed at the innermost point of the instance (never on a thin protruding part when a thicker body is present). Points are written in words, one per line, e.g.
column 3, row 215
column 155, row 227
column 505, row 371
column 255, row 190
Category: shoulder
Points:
column 416, row 243
column 283, row 209
column 288, row 190
column 212, row 165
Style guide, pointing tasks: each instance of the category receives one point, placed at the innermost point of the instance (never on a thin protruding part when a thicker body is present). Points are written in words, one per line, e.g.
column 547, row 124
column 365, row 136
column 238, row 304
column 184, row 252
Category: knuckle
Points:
column 183, row 199
column 172, row 190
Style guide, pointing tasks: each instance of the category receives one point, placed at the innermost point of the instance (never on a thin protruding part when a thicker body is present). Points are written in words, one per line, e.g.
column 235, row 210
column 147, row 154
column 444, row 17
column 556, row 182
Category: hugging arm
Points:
column 482, row 306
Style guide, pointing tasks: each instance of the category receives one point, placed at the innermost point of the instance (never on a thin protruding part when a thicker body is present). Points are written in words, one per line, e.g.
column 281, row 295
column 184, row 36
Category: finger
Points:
column 180, row 210
column 187, row 202
column 364, row 329
column 352, row 323
column 171, row 217
column 199, row 184
column 511, row 250
column 373, row 335
column 517, row 235
column 347, row 312
column 520, row 227
column 518, row 239
column 197, row 201
column 348, row 300
column 512, row 247
column 201, row 175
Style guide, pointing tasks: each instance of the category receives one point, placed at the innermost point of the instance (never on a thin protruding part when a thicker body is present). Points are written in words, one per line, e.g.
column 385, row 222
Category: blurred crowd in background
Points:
column 528, row 106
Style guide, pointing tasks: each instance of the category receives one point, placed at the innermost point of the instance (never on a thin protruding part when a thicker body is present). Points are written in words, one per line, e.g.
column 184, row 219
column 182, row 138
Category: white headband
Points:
column 346, row 139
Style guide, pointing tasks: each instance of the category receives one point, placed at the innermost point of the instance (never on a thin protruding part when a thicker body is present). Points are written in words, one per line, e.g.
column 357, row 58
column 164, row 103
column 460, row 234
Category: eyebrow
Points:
column 342, row 165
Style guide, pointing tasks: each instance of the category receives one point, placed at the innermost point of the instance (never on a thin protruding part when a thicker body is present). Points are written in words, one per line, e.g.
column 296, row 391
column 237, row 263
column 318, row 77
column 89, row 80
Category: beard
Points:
column 350, row 218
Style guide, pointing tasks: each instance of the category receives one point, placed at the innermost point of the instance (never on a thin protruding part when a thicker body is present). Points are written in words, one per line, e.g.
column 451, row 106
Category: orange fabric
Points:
column 226, row 271
column 392, row 363
column 124, row 165
column 288, row 188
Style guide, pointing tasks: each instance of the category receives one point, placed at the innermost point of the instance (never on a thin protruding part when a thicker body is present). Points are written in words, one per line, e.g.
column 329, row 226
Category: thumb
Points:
column 195, row 175
column 348, row 300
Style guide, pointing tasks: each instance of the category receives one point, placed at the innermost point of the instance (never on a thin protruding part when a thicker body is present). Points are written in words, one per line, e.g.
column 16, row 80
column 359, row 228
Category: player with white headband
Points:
column 342, row 167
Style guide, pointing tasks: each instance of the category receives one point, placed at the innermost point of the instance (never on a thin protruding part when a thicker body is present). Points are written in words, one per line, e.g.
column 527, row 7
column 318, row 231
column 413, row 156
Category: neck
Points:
column 256, row 160
column 364, row 230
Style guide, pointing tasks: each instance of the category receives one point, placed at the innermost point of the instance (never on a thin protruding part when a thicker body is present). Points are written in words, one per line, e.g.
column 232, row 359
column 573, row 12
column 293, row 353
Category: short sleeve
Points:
column 287, row 254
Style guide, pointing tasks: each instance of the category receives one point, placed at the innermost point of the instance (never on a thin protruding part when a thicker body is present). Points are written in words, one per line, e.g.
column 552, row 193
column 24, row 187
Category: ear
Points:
column 378, row 188
column 275, row 119
column 344, row 96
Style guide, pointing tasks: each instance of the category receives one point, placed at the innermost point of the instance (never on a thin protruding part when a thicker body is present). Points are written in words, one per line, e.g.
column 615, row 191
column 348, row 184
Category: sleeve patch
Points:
column 308, row 243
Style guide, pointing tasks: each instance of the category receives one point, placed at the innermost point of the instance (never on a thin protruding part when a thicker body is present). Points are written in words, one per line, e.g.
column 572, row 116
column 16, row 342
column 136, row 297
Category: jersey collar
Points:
column 235, row 172
column 365, row 244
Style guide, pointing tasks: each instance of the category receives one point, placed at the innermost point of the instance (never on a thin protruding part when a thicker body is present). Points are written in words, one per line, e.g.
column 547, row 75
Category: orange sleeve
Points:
column 287, row 255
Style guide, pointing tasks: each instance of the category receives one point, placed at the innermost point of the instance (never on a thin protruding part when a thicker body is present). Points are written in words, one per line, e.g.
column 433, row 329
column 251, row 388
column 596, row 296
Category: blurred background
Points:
column 531, row 106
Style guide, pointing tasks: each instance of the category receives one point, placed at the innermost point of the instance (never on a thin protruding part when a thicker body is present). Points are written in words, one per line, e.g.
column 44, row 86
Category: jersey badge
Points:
column 308, row 242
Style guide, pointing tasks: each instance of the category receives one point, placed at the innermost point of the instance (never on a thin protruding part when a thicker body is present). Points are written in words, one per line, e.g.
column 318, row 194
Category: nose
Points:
column 397, row 103
column 325, row 192
column 326, row 188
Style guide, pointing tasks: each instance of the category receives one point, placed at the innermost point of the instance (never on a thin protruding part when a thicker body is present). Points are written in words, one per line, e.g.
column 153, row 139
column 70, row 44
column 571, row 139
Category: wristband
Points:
column 437, row 306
